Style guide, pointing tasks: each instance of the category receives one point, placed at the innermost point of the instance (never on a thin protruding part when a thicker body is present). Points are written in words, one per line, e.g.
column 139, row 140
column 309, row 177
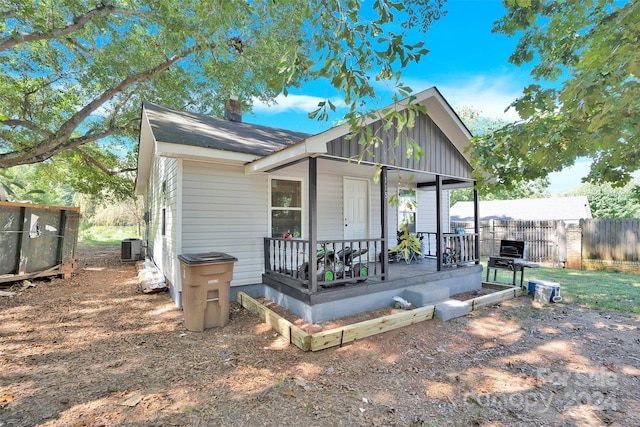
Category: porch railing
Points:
column 428, row 244
column 337, row 261
column 459, row 248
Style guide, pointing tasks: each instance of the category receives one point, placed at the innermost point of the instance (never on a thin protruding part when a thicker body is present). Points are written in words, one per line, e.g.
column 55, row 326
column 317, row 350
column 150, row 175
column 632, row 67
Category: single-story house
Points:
column 276, row 199
column 567, row 209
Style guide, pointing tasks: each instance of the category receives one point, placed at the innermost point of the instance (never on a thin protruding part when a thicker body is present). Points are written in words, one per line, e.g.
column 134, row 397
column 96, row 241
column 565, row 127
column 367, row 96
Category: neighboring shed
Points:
column 567, row 209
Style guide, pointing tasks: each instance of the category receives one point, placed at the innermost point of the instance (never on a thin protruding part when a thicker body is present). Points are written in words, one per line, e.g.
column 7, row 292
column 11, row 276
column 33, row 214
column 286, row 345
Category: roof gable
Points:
column 441, row 134
column 439, row 154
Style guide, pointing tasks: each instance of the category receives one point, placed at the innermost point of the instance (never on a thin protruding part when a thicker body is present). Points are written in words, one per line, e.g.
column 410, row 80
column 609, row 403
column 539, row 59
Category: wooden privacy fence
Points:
column 542, row 237
column 611, row 244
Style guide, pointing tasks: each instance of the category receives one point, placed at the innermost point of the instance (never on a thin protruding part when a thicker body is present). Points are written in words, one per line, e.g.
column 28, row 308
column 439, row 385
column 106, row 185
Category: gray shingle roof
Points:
column 181, row 127
column 543, row 209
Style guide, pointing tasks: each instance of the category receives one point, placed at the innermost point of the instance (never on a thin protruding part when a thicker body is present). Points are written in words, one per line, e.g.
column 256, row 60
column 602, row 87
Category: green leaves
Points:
column 77, row 73
column 590, row 48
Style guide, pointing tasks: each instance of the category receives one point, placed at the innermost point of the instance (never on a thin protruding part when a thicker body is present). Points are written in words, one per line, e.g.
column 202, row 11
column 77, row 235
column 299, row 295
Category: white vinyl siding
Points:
column 392, row 220
column 374, row 211
column 426, row 217
column 330, row 206
column 161, row 247
column 224, row 210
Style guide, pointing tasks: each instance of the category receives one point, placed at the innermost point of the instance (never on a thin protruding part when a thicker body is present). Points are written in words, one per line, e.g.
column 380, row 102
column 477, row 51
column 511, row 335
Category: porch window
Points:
column 407, row 209
column 286, row 207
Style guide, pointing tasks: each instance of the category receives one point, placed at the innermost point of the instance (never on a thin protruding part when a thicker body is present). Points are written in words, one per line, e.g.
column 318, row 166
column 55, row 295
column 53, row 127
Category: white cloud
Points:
column 490, row 95
column 293, row 103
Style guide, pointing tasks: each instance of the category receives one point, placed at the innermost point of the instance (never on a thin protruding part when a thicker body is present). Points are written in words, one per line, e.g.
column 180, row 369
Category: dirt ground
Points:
column 94, row 351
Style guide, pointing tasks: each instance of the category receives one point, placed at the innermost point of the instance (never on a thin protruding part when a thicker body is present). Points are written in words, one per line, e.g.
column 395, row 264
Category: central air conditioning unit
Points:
column 130, row 250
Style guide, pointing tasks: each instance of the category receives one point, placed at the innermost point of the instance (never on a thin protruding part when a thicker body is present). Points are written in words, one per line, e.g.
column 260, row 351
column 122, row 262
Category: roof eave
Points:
column 310, row 147
column 146, row 146
column 191, row 152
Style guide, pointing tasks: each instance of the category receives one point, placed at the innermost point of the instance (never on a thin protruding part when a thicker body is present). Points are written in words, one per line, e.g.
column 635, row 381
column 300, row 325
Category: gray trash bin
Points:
column 206, row 278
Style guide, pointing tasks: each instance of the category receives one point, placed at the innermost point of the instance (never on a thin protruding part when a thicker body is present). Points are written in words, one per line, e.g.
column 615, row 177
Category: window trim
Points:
column 302, row 208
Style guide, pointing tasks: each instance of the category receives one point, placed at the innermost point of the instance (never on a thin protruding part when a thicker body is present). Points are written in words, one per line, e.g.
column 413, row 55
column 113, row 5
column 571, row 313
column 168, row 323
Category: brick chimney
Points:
column 233, row 109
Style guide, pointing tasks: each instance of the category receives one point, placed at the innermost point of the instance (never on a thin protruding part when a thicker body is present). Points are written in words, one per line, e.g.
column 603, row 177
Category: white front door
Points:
column 356, row 208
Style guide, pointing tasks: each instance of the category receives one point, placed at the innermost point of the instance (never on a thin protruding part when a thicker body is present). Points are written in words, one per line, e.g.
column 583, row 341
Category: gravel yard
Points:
column 94, row 351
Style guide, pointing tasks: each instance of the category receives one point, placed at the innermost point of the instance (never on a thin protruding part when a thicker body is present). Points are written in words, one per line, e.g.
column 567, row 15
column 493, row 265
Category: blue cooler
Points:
column 550, row 288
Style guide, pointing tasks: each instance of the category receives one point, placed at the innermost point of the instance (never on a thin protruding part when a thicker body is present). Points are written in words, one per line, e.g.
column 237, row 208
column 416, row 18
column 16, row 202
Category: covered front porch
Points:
column 320, row 278
column 419, row 283
column 343, row 284
column 332, row 242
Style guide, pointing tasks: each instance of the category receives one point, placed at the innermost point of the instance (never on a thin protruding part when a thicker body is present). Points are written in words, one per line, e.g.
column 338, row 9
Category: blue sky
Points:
column 467, row 63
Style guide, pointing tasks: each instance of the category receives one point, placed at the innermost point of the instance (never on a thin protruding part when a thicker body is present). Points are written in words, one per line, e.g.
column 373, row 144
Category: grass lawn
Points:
column 106, row 236
column 594, row 289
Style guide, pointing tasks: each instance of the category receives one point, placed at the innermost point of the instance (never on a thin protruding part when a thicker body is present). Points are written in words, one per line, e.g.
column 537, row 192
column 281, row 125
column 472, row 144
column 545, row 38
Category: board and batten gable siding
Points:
column 163, row 248
column 440, row 155
column 224, row 210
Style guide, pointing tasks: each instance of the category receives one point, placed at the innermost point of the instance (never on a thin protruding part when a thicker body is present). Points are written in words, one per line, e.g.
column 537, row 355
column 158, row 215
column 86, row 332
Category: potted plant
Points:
column 408, row 244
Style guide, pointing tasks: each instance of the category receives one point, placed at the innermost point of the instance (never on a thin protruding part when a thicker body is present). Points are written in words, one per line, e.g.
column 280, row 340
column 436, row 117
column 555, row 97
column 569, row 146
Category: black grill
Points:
column 513, row 253
column 514, row 249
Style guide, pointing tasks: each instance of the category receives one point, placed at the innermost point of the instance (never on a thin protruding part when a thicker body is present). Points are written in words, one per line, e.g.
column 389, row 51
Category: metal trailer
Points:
column 37, row 240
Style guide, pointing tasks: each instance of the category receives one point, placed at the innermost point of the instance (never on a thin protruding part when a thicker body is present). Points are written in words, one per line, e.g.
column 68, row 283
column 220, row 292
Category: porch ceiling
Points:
column 423, row 180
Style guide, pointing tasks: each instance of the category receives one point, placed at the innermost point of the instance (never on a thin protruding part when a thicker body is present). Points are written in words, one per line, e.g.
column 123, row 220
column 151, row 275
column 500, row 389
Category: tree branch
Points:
column 72, row 143
column 78, row 23
column 91, row 161
column 60, row 140
column 26, row 124
column 75, row 44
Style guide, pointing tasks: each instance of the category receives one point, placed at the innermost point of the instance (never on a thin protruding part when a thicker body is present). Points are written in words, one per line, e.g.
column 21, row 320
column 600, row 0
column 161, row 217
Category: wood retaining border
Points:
column 349, row 333
column 496, row 297
column 337, row 336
